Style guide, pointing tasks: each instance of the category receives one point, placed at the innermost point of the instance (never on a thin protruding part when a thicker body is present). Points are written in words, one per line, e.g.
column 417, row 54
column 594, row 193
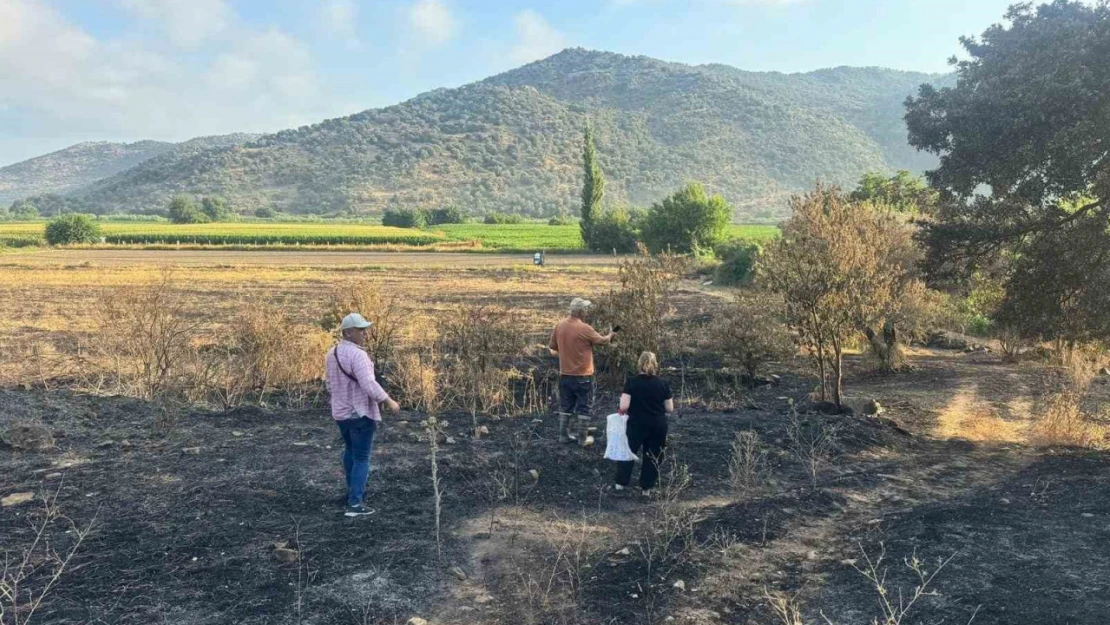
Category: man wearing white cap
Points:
column 573, row 342
column 355, row 396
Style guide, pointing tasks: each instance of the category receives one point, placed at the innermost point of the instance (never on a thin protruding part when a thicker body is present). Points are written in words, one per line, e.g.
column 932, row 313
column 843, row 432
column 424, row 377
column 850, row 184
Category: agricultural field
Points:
column 221, row 504
column 503, row 238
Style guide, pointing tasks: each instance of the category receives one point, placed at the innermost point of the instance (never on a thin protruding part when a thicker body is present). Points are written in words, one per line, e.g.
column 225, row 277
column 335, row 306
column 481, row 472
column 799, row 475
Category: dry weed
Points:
column 27, row 578
column 747, row 465
column 813, row 443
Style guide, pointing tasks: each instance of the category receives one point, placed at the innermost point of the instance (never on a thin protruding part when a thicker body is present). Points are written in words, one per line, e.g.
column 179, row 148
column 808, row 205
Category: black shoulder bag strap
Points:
column 335, row 353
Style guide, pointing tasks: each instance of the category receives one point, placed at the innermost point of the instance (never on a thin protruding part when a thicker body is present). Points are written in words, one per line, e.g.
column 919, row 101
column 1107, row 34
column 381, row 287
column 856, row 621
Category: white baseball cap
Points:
column 354, row 320
column 578, row 304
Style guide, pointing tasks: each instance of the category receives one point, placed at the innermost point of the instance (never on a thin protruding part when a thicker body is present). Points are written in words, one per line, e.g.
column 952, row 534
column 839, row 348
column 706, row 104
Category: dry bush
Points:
column 747, row 463
column 1065, row 421
column 813, row 443
column 475, row 341
column 841, row 267
column 481, row 334
column 416, row 378
column 750, row 332
column 785, row 608
column 384, row 310
column 144, row 336
column 641, row 306
column 29, row 575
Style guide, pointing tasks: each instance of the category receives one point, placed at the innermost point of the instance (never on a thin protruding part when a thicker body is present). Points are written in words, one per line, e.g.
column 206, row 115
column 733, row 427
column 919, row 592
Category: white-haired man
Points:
column 355, row 395
column 573, row 342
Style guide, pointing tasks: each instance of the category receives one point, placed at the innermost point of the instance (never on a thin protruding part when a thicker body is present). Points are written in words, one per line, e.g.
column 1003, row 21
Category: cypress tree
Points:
column 593, row 185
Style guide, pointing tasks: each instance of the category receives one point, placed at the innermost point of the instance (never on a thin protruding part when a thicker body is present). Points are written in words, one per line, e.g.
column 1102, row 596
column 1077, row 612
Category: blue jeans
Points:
column 358, row 442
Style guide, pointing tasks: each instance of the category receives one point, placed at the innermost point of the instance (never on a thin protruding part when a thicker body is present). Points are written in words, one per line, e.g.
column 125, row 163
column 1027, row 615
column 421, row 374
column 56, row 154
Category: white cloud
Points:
column 433, row 21
column 338, row 19
column 187, row 23
column 536, row 39
column 60, row 82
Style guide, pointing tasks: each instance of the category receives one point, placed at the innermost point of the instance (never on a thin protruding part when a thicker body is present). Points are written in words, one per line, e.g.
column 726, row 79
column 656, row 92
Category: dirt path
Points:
column 204, row 258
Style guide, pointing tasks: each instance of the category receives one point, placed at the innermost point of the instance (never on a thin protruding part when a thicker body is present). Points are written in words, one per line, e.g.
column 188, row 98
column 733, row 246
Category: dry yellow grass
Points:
column 968, row 417
column 46, row 311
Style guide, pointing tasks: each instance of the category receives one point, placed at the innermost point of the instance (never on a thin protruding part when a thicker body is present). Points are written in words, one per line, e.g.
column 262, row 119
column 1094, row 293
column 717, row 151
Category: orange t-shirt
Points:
column 574, row 339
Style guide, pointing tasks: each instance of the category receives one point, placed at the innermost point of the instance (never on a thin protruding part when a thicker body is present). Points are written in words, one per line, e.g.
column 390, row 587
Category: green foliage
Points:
column 216, row 208
column 72, row 228
column 738, row 259
column 440, row 216
column 404, row 218
column 183, row 209
column 561, row 219
column 593, row 186
column 904, row 192
column 502, row 218
column 265, row 212
column 686, row 219
column 23, row 209
column 616, row 231
column 1006, row 126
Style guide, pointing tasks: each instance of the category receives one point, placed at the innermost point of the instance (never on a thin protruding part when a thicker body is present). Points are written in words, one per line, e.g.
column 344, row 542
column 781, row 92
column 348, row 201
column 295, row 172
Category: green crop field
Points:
column 491, row 237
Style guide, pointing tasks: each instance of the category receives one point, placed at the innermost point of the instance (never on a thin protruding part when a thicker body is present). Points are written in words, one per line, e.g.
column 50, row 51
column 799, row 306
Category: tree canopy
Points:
column 685, row 220
column 1024, row 146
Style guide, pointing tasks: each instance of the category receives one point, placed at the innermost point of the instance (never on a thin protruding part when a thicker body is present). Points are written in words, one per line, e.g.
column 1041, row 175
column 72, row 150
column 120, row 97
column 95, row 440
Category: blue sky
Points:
column 123, row 70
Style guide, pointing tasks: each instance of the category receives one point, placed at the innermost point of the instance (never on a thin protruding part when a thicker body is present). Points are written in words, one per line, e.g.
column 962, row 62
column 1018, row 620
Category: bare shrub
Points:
column 672, row 522
column 384, row 310
column 896, row 604
column 144, row 336
column 747, row 463
column 751, row 332
column 476, row 340
column 813, row 443
column 641, row 306
column 550, row 589
column 1012, row 342
column 27, row 578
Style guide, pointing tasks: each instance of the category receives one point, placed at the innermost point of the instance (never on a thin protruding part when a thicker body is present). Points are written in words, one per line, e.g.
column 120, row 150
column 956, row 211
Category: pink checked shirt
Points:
column 350, row 398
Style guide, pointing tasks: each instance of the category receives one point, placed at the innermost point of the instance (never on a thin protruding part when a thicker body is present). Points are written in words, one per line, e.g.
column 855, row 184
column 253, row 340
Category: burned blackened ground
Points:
column 187, row 523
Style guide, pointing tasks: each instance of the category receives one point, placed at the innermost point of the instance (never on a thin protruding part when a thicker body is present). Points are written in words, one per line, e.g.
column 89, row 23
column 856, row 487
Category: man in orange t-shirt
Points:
column 573, row 342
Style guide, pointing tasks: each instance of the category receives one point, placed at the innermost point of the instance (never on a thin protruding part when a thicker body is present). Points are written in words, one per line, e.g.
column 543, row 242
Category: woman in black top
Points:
column 647, row 401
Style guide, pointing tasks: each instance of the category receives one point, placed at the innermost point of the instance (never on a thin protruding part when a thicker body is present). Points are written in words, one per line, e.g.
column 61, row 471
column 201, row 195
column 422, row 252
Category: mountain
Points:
column 512, row 142
column 70, row 169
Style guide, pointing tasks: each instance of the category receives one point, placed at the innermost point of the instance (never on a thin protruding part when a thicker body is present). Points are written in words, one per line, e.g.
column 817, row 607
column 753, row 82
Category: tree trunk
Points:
column 838, row 373
column 885, row 347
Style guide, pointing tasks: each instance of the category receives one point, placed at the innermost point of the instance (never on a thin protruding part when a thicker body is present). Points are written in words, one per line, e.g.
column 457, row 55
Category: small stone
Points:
column 635, row 596
column 301, row 443
column 450, row 440
column 482, row 599
column 848, row 562
column 707, row 283
column 483, row 430
column 1088, row 515
column 776, row 379
column 873, row 408
column 286, row 555
column 458, row 573
column 624, row 552
column 681, row 585
column 811, row 555
column 105, row 443
column 236, row 433
column 537, row 421
column 53, row 476
column 416, row 620
column 589, row 442
column 1005, row 501
column 15, row 499
column 192, row 451
column 534, row 473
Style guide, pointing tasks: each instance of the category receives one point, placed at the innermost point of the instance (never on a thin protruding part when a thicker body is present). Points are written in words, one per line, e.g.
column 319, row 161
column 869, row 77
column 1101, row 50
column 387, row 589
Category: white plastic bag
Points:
column 616, row 437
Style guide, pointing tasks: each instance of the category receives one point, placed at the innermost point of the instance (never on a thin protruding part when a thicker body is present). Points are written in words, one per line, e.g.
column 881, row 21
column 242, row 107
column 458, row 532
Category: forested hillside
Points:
column 70, row 169
column 511, row 143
